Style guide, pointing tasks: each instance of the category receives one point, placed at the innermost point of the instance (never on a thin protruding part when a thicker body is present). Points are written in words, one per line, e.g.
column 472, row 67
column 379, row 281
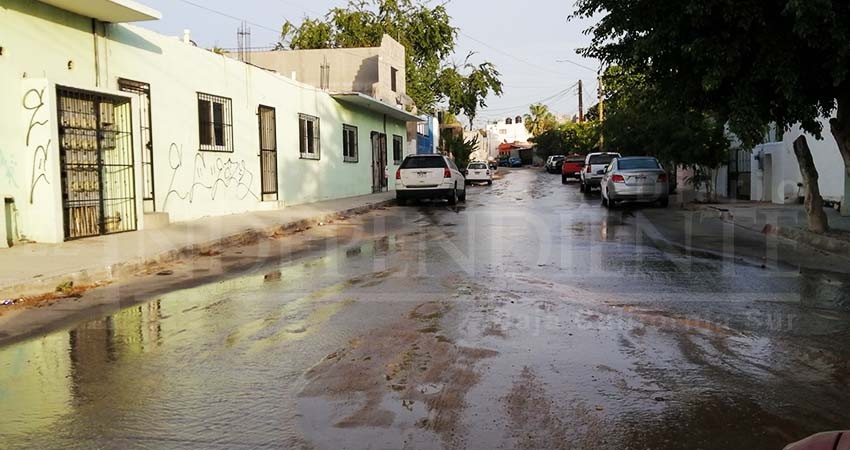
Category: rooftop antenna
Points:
column 243, row 39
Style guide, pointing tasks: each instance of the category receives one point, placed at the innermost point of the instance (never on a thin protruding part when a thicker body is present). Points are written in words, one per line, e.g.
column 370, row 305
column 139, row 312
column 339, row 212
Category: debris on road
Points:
column 272, row 276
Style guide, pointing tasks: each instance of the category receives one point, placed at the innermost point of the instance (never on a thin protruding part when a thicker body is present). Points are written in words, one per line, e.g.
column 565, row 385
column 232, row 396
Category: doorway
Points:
column 143, row 92
column 379, row 162
column 96, row 161
column 767, row 188
column 268, row 153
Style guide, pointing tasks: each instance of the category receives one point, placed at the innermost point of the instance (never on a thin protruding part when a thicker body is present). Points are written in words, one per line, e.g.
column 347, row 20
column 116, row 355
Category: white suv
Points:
column 594, row 169
column 478, row 171
column 431, row 177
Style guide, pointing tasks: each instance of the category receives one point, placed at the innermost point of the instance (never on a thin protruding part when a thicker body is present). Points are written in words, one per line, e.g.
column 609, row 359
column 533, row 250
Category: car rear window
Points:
column 424, row 162
column 638, row 164
column 478, row 166
column 602, row 159
column 576, row 160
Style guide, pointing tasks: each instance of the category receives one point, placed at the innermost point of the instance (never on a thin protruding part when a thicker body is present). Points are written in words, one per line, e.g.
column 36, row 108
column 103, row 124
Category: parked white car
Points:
column 594, row 167
column 429, row 177
column 635, row 179
column 479, row 172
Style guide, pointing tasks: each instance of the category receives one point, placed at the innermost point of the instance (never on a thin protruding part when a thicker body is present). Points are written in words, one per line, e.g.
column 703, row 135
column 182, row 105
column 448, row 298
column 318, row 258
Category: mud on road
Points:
column 529, row 318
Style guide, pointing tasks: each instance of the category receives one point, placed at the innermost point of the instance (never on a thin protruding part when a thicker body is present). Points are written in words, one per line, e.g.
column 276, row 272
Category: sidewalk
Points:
column 787, row 221
column 33, row 269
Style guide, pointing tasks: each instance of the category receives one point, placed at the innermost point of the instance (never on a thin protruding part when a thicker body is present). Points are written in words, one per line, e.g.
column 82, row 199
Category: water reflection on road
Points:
column 531, row 318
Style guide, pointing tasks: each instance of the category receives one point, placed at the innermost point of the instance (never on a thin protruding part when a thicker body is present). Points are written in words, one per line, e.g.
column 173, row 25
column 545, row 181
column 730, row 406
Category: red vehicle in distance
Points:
column 572, row 167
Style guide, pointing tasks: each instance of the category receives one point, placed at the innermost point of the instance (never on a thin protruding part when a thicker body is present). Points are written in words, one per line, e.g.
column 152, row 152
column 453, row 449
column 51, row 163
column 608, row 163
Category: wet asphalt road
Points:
column 530, row 318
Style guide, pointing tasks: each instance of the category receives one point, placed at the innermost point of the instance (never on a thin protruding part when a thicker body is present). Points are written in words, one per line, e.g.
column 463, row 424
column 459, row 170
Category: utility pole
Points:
column 580, row 101
column 601, row 111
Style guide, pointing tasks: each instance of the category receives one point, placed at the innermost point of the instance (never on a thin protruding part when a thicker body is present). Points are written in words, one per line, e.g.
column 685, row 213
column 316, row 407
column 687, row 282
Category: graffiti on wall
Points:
column 211, row 177
column 34, row 103
column 8, row 169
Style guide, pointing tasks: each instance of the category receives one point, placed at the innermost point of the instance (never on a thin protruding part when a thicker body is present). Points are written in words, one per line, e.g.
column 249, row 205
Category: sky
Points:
column 534, row 48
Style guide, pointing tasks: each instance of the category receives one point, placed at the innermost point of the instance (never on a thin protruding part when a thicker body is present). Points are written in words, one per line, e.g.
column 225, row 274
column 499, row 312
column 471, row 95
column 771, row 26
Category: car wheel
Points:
column 462, row 195
column 453, row 197
column 664, row 202
column 563, row 179
column 489, row 182
column 401, row 200
column 587, row 189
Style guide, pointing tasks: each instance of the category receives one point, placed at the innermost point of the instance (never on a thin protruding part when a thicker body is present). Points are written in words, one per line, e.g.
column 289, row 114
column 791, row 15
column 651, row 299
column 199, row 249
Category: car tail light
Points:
column 447, row 173
column 398, row 174
column 589, row 169
column 618, row 179
column 662, row 178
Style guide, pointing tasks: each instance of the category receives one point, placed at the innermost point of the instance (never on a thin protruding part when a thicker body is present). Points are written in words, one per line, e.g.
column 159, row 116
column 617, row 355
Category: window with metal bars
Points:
column 215, row 123
column 308, row 133
column 350, row 151
column 398, row 149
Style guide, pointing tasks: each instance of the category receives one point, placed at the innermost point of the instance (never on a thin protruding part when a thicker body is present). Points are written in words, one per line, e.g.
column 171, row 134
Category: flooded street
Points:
column 529, row 318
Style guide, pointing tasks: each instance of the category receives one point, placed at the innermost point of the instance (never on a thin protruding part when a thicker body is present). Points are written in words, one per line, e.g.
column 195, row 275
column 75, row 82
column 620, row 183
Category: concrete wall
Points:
column 45, row 47
column 480, row 153
column 366, row 70
column 776, row 172
column 501, row 132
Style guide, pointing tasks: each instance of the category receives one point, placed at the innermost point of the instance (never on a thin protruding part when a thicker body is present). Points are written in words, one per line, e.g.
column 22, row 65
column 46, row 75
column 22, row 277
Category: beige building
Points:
column 378, row 72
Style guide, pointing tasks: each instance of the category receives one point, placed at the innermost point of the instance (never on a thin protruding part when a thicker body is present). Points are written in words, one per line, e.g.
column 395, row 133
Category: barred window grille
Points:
column 398, row 146
column 308, row 127
column 350, row 151
column 215, row 123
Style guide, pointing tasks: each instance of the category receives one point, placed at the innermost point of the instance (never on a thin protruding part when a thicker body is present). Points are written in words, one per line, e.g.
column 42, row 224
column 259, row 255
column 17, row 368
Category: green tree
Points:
column 460, row 149
column 568, row 138
column 466, row 87
column 749, row 62
column 429, row 40
column 641, row 120
column 540, row 120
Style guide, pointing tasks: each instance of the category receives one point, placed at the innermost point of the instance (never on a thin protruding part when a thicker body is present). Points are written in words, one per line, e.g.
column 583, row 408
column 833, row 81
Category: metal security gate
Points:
column 143, row 93
column 268, row 153
column 740, row 174
column 379, row 162
column 96, row 157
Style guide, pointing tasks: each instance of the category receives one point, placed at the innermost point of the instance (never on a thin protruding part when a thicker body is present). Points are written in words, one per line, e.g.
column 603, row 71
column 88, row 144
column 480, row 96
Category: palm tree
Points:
column 540, row 120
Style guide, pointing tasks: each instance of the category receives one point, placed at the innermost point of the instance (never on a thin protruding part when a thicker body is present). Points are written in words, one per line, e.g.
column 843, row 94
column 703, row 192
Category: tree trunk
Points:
column 840, row 127
column 818, row 222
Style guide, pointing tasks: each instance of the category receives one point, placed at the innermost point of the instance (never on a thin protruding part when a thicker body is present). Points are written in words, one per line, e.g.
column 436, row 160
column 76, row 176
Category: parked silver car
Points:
column 636, row 179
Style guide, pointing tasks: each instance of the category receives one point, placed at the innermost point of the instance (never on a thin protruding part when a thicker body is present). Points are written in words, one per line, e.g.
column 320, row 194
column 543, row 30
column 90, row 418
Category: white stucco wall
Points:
column 501, row 132
column 45, row 47
column 779, row 175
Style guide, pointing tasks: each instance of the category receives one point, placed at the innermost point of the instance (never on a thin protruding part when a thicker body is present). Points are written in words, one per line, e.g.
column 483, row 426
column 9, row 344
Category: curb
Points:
column 112, row 272
column 820, row 242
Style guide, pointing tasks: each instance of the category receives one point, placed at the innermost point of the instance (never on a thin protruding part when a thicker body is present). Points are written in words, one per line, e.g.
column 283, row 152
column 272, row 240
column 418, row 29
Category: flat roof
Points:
column 373, row 104
column 114, row 11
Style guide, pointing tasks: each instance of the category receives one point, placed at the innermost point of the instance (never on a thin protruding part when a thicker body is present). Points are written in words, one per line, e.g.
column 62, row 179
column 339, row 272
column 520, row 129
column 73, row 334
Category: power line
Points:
column 545, row 100
column 509, row 55
column 569, row 61
column 230, row 16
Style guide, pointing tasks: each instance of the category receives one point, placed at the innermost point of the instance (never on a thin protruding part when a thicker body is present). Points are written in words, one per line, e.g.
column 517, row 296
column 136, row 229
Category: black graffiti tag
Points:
column 219, row 175
column 34, row 101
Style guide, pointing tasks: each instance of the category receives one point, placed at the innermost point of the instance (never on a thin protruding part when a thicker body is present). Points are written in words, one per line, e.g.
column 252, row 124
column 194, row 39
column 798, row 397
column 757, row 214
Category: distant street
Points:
column 528, row 318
